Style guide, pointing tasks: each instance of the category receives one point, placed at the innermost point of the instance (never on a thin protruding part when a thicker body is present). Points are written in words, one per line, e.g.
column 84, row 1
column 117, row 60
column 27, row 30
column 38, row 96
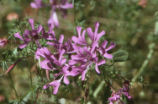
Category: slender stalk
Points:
column 98, row 89
column 13, row 86
column 145, row 63
column 30, row 78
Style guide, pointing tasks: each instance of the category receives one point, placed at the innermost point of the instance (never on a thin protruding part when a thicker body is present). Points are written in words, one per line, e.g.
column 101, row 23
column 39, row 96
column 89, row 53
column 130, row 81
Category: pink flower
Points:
column 87, row 53
column 3, row 42
column 116, row 96
column 74, row 57
column 30, row 35
column 55, row 84
column 34, row 35
column 61, row 5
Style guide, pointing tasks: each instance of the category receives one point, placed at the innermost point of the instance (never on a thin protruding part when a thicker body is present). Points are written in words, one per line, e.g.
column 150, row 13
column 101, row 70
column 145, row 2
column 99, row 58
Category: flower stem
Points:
column 145, row 63
column 13, row 86
column 98, row 89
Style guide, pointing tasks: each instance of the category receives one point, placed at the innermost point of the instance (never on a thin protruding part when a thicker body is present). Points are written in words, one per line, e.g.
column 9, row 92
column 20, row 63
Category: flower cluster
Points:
column 71, row 58
column 55, row 5
column 74, row 57
column 116, row 96
column 34, row 35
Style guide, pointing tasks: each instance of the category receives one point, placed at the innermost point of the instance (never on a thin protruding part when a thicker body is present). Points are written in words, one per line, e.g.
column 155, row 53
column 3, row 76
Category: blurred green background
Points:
column 128, row 23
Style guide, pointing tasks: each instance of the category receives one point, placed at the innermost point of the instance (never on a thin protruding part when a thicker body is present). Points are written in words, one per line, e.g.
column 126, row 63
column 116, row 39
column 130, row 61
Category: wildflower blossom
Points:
column 55, row 84
column 34, row 35
column 73, row 57
column 116, row 96
column 30, row 35
column 3, row 42
column 55, row 62
column 57, row 44
column 61, row 5
column 87, row 53
column 37, row 4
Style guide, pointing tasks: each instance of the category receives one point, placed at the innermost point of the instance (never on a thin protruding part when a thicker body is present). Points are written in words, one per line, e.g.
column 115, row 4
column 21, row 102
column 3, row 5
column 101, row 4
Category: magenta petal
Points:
column 39, row 28
column 101, row 62
column 44, row 65
column 17, row 35
column 111, row 46
column 3, row 42
column 66, row 81
column 83, row 35
column 26, row 34
column 84, row 74
column 75, row 72
column 31, row 22
column 45, row 87
column 53, row 20
column 97, row 69
column 61, row 39
column 42, row 52
column 51, row 1
column 75, row 57
column 74, row 39
column 22, row 46
column 90, row 33
column 34, row 5
column 104, row 44
column 56, row 85
column 78, row 28
column 96, row 27
column 50, row 43
column 61, row 54
column 63, row 61
column 100, row 35
column 108, row 56
column 72, row 62
column 66, row 6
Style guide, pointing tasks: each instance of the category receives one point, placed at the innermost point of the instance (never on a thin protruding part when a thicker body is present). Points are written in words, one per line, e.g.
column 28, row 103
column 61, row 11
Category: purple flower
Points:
column 44, row 53
column 103, row 49
column 55, row 84
column 55, row 62
column 57, row 44
column 81, row 37
column 95, row 36
column 30, row 35
column 3, row 42
column 50, row 35
column 53, row 20
column 85, row 58
column 37, row 4
column 61, row 5
column 68, row 47
column 116, row 96
column 87, row 53
column 51, row 61
column 74, row 57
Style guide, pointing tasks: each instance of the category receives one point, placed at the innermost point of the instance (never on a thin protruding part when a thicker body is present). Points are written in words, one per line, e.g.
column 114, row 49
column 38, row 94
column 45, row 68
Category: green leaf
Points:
column 120, row 56
column 27, row 97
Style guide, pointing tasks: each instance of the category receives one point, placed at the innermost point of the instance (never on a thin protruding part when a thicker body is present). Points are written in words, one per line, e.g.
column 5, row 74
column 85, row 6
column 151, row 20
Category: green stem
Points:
column 30, row 78
column 98, row 89
column 13, row 86
column 145, row 63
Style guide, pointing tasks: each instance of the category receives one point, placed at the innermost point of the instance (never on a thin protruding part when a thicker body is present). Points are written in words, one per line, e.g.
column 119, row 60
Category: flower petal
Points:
column 17, row 35
column 31, row 22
